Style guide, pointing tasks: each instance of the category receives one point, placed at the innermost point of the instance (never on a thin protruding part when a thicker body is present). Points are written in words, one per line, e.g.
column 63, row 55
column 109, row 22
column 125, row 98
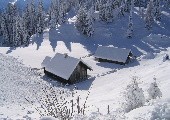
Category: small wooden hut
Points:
column 113, row 55
column 65, row 68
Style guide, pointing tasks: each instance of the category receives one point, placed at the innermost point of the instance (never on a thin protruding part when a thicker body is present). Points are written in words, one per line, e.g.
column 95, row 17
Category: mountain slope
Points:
column 107, row 81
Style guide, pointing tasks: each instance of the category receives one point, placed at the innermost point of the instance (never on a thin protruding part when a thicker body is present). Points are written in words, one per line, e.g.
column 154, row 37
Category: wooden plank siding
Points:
column 79, row 73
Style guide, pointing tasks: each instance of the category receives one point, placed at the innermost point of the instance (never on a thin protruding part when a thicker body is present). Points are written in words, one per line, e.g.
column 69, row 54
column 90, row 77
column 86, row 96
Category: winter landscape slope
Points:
column 108, row 81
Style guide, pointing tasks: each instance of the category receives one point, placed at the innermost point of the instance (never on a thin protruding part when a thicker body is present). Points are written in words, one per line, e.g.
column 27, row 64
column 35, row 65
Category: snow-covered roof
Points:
column 112, row 53
column 63, row 65
column 45, row 61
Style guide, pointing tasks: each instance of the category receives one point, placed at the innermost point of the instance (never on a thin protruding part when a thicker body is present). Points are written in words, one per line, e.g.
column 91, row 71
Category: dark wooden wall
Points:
column 79, row 74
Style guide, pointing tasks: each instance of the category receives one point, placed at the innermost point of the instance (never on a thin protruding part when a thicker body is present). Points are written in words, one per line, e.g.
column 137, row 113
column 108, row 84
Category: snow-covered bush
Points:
column 161, row 112
column 53, row 103
column 133, row 95
column 154, row 91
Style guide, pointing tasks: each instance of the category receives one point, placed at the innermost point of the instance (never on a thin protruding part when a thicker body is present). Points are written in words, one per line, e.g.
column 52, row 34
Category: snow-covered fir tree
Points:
column 24, row 31
column 101, row 11
column 109, row 11
column 81, row 17
column 0, row 24
column 9, row 24
column 157, row 10
column 149, row 18
column 127, row 6
column 53, row 20
column 106, row 11
column 133, row 95
column 40, row 17
column 26, row 19
column 5, row 33
column 18, row 34
column 96, row 5
column 84, row 22
column 12, row 14
column 53, row 13
column 30, row 18
column 62, row 10
column 88, row 28
column 154, row 90
column 130, row 25
column 33, row 18
column 121, row 9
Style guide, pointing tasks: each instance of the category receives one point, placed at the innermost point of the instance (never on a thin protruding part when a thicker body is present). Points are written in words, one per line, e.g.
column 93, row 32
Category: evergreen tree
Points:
column 102, row 12
column 88, row 28
column 5, row 33
column 54, row 13
column 109, row 11
column 154, row 90
column 81, row 18
column 96, row 5
column 11, row 14
column 134, row 96
column 149, row 18
column 27, row 20
column 62, row 13
column 157, row 10
column 18, row 34
column 127, row 6
column 53, row 20
column 106, row 11
column 26, row 38
column 40, row 17
column 130, row 25
column 84, row 22
column 33, row 18
column 0, row 25
column 121, row 9
column 26, row 35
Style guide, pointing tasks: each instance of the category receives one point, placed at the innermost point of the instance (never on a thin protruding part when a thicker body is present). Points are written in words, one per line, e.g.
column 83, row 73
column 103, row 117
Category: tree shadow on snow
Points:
column 10, row 50
column 52, row 38
column 39, row 39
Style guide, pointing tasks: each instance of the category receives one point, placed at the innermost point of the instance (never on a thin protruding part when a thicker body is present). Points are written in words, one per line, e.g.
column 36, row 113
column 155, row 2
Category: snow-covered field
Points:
column 108, row 81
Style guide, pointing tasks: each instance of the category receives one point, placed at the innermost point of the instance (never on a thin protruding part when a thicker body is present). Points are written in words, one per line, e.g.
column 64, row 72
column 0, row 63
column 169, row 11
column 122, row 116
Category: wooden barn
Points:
column 65, row 68
column 113, row 55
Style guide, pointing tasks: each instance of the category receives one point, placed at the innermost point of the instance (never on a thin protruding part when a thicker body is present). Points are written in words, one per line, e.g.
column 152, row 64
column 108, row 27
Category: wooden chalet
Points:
column 65, row 68
column 113, row 55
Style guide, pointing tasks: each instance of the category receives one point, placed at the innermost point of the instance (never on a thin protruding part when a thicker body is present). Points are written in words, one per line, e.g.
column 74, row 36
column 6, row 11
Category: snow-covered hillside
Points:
column 107, row 82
